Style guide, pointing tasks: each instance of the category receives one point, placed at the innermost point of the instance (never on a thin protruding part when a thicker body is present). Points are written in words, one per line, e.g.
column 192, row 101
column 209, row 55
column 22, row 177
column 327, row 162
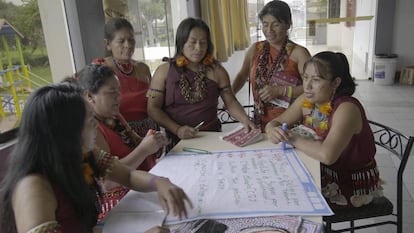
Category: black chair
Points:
column 225, row 117
column 399, row 145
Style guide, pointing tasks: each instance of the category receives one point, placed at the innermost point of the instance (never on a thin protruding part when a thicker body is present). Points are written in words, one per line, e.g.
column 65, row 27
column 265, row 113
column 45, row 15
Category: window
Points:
column 24, row 63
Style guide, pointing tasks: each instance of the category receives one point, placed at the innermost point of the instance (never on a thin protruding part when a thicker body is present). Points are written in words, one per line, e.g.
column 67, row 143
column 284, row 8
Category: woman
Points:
column 185, row 90
column 50, row 184
column 102, row 90
column 134, row 78
column 274, row 65
column 335, row 131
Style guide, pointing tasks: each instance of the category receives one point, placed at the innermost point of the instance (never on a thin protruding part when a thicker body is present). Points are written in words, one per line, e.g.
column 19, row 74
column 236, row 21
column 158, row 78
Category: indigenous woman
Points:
column 185, row 90
column 334, row 130
column 51, row 181
column 273, row 65
column 101, row 89
column 134, row 78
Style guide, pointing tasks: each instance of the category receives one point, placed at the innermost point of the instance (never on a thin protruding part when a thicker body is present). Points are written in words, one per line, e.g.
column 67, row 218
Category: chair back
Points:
column 225, row 118
column 400, row 145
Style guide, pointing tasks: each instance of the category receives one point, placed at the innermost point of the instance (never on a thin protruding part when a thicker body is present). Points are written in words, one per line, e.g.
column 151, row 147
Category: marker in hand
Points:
column 199, row 125
column 284, row 128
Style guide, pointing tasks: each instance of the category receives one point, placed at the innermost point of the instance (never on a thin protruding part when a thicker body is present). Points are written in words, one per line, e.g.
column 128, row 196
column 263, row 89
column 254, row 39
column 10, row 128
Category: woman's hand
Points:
column 185, row 132
column 153, row 142
column 158, row 229
column 268, row 93
column 277, row 134
column 172, row 197
column 249, row 125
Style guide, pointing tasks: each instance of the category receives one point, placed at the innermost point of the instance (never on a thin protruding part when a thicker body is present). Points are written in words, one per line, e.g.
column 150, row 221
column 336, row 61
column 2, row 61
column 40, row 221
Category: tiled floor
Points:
column 390, row 105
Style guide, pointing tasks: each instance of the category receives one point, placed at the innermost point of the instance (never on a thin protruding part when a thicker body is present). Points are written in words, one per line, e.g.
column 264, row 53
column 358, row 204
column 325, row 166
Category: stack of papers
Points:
column 240, row 137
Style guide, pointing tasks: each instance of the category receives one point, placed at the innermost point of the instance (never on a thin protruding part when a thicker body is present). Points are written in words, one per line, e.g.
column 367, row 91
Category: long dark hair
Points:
column 278, row 9
column 183, row 32
column 330, row 65
column 50, row 144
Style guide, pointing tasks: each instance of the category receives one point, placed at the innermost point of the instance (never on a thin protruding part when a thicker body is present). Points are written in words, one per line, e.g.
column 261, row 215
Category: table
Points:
column 210, row 141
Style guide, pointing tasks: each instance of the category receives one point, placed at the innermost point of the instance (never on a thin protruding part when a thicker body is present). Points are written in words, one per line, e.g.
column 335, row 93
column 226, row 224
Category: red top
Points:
column 355, row 172
column 65, row 214
column 290, row 68
column 118, row 148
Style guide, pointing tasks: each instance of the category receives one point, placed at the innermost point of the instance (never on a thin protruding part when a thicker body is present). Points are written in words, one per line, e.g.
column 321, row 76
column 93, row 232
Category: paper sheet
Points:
column 137, row 212
column 249, row 183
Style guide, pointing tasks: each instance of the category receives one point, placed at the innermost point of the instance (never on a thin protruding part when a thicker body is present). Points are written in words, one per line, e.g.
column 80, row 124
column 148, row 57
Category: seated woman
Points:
column 102, row 90
column 335, row 131
column 184, row 91
column 51, row 181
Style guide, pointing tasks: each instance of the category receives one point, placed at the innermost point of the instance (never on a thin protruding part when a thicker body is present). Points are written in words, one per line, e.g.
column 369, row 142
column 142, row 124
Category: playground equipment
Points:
column 14, row 78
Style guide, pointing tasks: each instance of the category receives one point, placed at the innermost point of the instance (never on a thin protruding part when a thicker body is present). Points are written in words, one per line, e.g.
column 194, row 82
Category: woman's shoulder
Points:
column 33, row 186
column 298, row 51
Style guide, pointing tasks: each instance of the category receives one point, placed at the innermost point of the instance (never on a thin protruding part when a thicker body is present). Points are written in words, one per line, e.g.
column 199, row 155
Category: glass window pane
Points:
column 24, row 63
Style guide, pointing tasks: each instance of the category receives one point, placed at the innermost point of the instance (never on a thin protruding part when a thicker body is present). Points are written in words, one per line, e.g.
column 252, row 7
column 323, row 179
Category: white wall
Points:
column 403, row 39
column 57, row 40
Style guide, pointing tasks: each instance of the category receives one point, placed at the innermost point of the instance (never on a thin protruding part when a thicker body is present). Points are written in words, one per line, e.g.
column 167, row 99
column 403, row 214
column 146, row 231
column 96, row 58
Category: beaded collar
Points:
column 318, row 118
column 263, row 75
column 199, row 91
column 125, row 68
column 120, row 126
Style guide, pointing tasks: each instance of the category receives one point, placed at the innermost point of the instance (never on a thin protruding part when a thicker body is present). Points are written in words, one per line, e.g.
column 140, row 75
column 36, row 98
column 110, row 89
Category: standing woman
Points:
column 134, row 78
column 185, row 90
column 274, row 65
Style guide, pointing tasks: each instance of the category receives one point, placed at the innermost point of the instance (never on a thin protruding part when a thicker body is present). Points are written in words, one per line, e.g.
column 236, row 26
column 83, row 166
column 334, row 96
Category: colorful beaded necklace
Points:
column 318, row 117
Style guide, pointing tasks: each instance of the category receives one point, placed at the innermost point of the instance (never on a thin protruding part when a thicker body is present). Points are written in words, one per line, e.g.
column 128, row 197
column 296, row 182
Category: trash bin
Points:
column 384, row 69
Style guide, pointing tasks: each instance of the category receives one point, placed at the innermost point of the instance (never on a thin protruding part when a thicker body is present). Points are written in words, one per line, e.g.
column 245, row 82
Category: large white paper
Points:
column 248, row 183
column 136, row 212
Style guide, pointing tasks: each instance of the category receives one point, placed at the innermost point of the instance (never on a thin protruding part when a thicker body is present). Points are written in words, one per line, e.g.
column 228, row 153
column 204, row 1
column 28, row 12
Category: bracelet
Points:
column 284, row 91
column 290, row 91
column 152, row 182
column 176, row 131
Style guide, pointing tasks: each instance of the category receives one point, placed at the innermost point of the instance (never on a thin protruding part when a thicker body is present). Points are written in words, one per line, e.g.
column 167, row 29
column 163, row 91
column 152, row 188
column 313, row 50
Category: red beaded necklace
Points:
column 125, row 68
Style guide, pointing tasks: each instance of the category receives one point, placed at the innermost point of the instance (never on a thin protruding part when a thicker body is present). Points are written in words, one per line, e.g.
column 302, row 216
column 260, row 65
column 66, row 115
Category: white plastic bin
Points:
column 384, row 69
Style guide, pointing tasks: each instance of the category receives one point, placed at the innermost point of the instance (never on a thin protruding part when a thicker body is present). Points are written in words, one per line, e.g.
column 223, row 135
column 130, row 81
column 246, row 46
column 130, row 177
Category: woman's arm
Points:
column 150, row 144
column 230, row 101
column 243, row 74
column 300, row 55
column 156, row 99
column 34, row 203
column 291, row 116
column 346, row 122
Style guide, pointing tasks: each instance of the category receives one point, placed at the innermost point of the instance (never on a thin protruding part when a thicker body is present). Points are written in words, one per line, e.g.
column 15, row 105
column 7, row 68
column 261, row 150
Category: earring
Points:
column 208, row 60
column 181, row 61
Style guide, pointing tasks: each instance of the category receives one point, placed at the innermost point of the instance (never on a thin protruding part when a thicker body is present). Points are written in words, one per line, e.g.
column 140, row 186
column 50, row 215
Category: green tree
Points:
column 28, row 23
column 151, row 12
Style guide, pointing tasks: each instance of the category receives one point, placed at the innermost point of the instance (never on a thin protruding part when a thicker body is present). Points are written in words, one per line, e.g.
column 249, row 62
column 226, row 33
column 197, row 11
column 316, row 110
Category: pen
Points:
column 199, row 125
column 284, row 128
column 195, row 150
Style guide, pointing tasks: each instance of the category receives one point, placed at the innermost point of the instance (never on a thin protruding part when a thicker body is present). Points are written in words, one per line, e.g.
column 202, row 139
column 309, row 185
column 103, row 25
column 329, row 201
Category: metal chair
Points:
column 225, row 117
column 399, row 145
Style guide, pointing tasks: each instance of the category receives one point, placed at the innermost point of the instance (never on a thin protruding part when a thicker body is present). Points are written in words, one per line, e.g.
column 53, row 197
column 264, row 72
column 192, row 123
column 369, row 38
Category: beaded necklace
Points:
column 199, row 91
column 318, row 117
column 120, row 126
column 263, row 76
column 125, row 68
